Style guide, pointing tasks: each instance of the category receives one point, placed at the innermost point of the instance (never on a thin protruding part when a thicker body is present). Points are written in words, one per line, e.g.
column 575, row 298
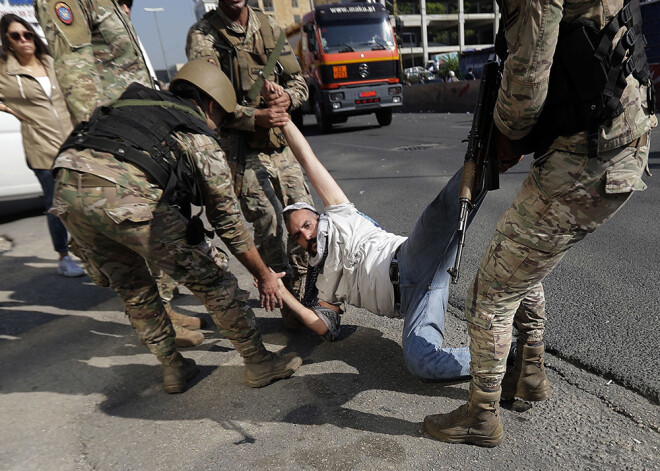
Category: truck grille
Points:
column 377, row 70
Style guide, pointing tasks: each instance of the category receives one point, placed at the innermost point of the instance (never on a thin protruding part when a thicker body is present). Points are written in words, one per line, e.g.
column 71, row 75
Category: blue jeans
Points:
column 57, row 230
column 423, row 262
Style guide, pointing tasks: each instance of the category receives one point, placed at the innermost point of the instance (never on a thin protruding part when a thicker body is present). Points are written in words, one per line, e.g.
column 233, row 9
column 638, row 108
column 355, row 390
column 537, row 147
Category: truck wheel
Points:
column 384, row 117
column 322, row 120
column 297, row 118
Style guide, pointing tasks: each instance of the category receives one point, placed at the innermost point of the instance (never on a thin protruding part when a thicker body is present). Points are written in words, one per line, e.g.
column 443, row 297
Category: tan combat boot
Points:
column 264, row 367
column 188, row 322
column 186, row 338
column 477, row 422
column 527, row 379
column 176, row 372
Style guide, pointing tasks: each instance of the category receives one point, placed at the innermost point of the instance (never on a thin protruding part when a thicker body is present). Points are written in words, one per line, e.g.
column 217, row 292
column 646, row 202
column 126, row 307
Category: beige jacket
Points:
column 47, row 122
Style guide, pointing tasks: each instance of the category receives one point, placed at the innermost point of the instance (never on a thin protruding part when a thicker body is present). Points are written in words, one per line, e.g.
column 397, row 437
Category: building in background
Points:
column 431, row 28
column 286, row 12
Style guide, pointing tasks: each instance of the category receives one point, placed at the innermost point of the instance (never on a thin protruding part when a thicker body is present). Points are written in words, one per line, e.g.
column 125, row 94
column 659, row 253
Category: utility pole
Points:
column 160, row 39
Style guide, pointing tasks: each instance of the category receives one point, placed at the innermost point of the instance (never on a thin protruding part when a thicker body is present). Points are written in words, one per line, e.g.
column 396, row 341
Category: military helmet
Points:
column 211, row 80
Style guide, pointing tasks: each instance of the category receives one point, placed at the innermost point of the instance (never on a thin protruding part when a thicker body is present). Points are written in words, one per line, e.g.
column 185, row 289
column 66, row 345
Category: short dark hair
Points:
column 40, row 47
column 128, row 3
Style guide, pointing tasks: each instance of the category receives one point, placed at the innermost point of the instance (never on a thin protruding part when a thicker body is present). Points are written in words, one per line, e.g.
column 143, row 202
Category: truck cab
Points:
column 350, row 59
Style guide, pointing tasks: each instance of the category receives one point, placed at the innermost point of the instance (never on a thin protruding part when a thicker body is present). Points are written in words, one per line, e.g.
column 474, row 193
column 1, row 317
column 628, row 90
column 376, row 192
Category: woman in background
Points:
column 30, row 92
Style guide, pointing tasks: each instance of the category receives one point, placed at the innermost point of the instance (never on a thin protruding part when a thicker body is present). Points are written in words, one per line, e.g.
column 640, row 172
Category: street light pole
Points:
column 160, row 39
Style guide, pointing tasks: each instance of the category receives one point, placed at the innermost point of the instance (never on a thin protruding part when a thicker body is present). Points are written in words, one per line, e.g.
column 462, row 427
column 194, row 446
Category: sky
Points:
column 174, row 23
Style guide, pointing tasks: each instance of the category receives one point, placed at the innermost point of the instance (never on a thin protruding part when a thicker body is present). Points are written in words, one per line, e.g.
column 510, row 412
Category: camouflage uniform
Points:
column 566, row 195
column 95, row 64
column 96, row 50
column 266, row 174
column 119, row 224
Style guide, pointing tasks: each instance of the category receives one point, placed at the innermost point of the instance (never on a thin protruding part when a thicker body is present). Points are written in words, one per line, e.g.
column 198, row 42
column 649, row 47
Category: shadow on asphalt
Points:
column 107, row 358
column 27, row 289
column 332, row 396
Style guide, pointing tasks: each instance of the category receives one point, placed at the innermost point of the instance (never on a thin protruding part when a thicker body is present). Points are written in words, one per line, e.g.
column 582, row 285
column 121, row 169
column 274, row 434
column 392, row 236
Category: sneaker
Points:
column 332, row 320
column 69, row 268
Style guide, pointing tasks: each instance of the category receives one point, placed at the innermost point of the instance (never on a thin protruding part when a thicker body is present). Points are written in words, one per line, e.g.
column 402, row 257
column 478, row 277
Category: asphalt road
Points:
column 78, row 391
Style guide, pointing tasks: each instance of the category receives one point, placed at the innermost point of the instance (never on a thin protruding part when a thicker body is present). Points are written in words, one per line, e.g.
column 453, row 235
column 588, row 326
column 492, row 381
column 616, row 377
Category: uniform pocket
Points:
column 59, row 208
column 135, row 212
column 625, row 175
column 557, row 172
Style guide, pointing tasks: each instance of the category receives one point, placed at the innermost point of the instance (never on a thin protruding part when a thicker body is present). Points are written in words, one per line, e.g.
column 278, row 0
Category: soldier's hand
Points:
column 269, row 290
column 506, row 157
column 271, row 117
column 271, row 88
column 275, row 96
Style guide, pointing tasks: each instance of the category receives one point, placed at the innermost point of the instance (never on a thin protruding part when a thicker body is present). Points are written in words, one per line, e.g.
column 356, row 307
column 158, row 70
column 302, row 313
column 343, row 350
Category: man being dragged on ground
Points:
column 354, row 261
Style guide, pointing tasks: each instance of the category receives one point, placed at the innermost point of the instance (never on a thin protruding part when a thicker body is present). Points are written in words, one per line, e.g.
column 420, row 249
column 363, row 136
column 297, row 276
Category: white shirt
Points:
column 45, row 84
column 357, row 268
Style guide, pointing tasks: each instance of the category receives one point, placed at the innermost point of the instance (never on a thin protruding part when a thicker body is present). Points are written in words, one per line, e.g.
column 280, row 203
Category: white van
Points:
column 17, row 181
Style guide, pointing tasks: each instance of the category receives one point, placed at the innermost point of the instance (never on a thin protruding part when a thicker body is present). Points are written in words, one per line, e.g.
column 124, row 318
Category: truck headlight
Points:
column 396, row 99
column 336, row 96
column 394, row 91
column 336, row 105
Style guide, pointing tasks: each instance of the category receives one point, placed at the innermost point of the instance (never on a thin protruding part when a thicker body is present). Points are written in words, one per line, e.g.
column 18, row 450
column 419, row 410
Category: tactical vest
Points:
column 138, row 128
column 243, row 67
column 588, row 77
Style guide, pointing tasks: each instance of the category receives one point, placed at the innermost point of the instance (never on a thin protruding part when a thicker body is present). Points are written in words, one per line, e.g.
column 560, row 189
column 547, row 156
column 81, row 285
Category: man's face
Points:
column 303, row 227
column 234, row 6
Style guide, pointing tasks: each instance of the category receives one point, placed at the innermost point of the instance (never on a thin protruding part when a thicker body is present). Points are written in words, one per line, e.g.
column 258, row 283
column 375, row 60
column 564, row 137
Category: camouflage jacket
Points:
column 205, row 159
column 532, row 30
column 200, row 44
column 96, row 50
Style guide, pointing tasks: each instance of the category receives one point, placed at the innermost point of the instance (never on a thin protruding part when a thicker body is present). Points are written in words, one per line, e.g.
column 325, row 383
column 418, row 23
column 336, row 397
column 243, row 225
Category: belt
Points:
column 84, row 180
column 394, row 278
column 640, row 141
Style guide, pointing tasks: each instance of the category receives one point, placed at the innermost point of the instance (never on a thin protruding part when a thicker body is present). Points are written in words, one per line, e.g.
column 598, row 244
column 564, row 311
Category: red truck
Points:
column 350, row 59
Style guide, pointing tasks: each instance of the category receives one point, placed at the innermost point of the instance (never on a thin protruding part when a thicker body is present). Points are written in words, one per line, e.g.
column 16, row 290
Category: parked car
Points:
column 17, row 181
column 417, row 74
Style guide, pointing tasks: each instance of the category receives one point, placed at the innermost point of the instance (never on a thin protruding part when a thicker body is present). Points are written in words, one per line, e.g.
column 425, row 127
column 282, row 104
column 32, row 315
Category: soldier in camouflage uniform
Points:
column 266, row 174
column 121, row 220
column 566, row 196
column 97, row 55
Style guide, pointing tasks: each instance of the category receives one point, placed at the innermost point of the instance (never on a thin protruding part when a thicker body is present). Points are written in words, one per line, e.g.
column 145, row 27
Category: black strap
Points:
column 122, row 152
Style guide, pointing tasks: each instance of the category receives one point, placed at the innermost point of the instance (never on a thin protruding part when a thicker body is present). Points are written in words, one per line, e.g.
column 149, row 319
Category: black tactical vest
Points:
column 588, row 77
column 138, row 128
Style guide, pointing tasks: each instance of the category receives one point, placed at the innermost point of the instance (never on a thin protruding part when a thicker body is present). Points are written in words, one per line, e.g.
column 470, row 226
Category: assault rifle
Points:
column 480, row 173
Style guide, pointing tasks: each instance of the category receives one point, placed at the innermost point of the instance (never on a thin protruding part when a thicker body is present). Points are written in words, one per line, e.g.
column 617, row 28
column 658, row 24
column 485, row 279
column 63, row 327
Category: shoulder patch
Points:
column 69, row 19
column 64, row 13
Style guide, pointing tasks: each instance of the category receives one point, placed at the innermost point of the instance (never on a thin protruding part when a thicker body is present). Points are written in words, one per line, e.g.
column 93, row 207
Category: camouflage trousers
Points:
column 270, row 182
column 565, row 197
column 118, row 234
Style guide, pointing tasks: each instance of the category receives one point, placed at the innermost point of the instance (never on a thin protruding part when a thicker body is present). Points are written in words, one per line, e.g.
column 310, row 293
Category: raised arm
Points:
column 326, row 186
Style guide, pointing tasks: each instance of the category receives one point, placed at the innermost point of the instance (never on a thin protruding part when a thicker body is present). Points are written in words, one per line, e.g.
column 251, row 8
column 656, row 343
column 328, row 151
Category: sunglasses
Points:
column 15, row 36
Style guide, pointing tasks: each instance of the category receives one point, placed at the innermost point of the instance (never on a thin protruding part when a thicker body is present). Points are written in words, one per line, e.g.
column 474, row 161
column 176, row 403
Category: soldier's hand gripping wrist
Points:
column 271, row 117
column 269, row 289
column 275, row 96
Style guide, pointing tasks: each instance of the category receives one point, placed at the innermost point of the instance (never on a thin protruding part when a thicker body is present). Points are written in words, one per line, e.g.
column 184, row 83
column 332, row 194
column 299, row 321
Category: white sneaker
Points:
column 69, row 268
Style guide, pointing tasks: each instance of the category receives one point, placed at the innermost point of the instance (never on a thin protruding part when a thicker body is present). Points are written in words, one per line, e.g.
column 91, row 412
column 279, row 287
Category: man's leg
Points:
column 423, row 262
column 261, row 205
column 206, row 274
column 565, row 197
column 101, row 244
column 184, row 326
column 526, row 377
